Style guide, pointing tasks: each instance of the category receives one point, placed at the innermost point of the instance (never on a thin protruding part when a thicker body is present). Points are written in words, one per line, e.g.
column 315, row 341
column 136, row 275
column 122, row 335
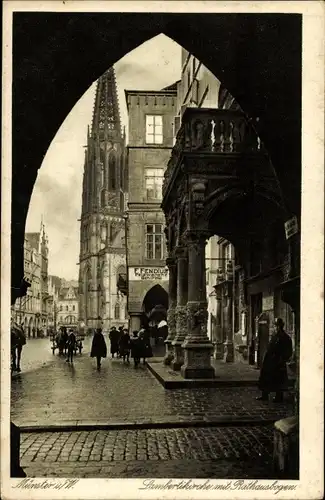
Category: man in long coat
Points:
column 274, row 375
column 114, row 337
column 98, row 347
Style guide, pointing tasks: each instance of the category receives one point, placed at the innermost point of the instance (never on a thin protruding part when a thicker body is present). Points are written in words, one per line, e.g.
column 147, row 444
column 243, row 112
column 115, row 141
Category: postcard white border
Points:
column 310, row 484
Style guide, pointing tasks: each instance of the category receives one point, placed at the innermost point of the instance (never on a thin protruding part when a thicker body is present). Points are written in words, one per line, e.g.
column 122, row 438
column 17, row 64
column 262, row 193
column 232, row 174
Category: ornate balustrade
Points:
column 212, row 132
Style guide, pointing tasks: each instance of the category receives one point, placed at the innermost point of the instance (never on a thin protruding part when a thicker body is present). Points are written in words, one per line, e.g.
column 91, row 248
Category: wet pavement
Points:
column 112, row 418
column 61, row 393
column 36, row 354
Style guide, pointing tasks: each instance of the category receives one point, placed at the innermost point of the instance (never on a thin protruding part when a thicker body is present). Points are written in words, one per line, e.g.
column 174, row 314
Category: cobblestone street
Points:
column 60, row 393
column 217, row 452
column 120, row 422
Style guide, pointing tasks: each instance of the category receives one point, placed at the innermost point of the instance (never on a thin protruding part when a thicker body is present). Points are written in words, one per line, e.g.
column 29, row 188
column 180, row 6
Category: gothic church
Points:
column 102, row 262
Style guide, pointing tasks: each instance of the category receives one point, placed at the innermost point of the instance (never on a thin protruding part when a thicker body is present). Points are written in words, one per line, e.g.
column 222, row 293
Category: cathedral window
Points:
column 103, row 198
column 154, row 181
column 112, row 171
column 117, row 311
column 121, row 201
column 154, row 241
column 154, row 132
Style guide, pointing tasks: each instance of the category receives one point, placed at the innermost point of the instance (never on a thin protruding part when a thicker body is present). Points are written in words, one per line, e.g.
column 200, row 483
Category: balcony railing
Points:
column 212, row 131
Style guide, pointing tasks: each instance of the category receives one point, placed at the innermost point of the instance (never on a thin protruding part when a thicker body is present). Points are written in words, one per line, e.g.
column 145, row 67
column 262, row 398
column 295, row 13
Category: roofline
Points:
column 148, row 92
column 169, row 91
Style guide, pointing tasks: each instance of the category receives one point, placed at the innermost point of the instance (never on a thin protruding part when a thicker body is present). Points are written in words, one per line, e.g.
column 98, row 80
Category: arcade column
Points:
column 134, row 322
column 197, row 346
column 181, row 308
column 218, row 353
column 228, row 290
column 171, row 320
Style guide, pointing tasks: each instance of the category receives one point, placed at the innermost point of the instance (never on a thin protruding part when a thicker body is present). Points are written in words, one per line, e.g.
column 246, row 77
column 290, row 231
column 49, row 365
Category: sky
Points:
column 58, row 188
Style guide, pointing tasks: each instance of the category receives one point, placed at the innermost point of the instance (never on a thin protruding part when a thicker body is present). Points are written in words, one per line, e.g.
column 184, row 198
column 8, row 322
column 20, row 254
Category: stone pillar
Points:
column 171, row 320
column 134, row 322
column 219, row 348
column 197, row 346
column 181, row 308
column 229, row 344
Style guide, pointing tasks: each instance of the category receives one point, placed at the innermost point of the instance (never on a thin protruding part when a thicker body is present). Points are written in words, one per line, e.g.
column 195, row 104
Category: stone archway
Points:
column 212, row 38
column 156, row 296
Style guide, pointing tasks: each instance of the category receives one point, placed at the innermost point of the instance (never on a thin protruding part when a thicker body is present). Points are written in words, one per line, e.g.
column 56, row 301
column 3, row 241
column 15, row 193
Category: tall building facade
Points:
column 32, row 310
column 243, row 291
column 151, row 116
column 102, row 225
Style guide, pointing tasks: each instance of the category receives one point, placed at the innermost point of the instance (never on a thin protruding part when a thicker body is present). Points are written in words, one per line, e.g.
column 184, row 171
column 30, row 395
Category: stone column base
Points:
column 197, row 361
column 218, row 350
column 286, row 448
column 178, row 356
column 229, row 354
column 169, row 356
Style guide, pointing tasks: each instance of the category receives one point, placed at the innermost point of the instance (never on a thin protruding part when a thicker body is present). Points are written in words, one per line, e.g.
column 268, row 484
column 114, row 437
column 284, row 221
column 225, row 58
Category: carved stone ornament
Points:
column 197, row 318
column 181, row 323
column 171, row 322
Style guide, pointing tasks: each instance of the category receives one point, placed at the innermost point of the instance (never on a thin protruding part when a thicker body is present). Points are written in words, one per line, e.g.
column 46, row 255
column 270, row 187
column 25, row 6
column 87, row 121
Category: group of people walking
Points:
column 122, row 345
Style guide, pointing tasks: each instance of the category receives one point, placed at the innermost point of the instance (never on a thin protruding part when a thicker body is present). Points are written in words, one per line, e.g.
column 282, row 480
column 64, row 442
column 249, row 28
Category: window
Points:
column 154, row 132
column 61, row 308
column 73, row 308
column 117, row 311
column 67, row 308
column 112, row 171
column 154, row 238
column 154, row 180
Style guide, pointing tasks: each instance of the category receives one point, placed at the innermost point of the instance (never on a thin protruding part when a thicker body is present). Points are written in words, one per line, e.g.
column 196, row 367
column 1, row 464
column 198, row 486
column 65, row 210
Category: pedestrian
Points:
column 120, row 333
column 162, row 329
column 274, row 375
column 71, row 346
column 18, row 340
column 125, row 346
column 136, row 348
column 146, row 348
column 98, row 347
column 114, row 339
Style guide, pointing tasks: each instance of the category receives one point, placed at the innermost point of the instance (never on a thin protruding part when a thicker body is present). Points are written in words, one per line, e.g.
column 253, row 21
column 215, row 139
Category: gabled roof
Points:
column 66, row 289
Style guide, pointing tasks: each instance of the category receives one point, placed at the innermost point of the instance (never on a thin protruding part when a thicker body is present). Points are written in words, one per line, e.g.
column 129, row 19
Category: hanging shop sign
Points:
column 291, row 227
column 148, row 273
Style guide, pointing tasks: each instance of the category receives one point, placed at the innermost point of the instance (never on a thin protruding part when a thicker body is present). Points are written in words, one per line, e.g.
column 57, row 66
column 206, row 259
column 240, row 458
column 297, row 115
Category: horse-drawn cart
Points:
column 59, row 341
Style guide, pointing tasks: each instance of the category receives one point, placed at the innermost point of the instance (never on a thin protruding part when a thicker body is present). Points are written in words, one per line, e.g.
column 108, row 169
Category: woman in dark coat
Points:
column 136, row 348
column 125, row 346
column 144, row 335
column 274, row 375
column 114, row 337
column 98, row 347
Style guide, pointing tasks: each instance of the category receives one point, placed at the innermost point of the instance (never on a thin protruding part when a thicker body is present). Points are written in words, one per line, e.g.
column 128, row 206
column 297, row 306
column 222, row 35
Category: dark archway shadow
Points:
column 57, row 56
column 156, row 296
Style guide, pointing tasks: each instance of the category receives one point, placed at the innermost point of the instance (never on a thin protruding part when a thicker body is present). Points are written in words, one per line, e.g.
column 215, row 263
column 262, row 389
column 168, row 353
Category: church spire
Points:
column 106, row 118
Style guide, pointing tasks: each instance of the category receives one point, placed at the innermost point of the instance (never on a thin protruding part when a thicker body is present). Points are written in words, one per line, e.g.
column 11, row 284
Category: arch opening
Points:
column 156, row 296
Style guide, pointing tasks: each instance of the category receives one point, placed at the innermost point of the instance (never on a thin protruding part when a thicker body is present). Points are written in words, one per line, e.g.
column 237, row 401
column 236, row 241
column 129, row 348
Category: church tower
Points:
column 102, row 228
